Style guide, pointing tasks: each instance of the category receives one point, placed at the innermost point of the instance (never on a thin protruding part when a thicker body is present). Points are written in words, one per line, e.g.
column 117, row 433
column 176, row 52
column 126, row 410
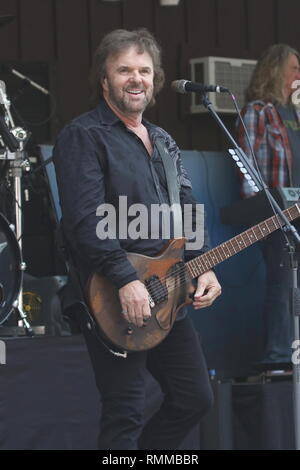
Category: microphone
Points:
column 184, row 86
column 7, row 69
column 28, row 80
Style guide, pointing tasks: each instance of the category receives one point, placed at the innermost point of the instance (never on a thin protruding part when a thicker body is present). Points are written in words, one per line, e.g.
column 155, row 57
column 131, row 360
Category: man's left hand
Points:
column 208, row 289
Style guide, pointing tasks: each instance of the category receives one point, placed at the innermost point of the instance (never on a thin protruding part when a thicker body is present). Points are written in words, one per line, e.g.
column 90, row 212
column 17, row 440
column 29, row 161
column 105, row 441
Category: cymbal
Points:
column 4, row 19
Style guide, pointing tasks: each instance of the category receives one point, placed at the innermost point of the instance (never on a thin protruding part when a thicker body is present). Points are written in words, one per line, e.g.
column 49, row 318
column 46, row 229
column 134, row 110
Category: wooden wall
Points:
column 64, row 33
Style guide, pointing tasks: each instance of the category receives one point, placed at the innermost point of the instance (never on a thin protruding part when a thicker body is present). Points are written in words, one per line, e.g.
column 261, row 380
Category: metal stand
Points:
column 14, row 139
column 258, row 184
column 17, row 167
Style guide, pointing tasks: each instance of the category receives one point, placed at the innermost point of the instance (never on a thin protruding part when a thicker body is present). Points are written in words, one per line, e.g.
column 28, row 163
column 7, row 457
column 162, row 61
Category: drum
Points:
column 10, row 269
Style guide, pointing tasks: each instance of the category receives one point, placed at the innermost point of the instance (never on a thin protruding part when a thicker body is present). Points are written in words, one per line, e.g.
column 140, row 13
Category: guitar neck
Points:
column 211, row 258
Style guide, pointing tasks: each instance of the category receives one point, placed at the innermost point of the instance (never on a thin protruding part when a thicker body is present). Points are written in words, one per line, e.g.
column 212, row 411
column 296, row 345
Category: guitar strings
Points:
column 182, row 272
column 203, row 266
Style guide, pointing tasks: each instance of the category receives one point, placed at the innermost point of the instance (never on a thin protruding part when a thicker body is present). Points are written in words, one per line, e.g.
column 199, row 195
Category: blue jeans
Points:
column 278, row 321
column 179, row 367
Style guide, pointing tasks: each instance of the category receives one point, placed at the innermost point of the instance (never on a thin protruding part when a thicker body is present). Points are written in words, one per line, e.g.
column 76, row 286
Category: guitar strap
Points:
column 172, row 181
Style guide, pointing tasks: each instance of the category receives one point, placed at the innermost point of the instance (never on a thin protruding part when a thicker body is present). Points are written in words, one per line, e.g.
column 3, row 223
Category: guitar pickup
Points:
column 158, row 292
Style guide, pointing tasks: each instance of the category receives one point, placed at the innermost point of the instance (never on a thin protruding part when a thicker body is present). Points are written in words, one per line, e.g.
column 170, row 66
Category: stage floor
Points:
column 49, row 399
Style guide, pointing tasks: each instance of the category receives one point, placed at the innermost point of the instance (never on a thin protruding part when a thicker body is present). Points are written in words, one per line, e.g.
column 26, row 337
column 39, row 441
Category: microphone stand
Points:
column 258, row 184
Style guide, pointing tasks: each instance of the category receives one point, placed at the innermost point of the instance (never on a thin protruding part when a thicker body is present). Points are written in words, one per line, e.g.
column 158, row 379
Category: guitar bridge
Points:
column 158, row 293
column 151, row 302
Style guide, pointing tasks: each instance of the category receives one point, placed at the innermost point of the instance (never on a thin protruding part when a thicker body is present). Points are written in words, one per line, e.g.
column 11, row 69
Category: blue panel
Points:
column 231, row 330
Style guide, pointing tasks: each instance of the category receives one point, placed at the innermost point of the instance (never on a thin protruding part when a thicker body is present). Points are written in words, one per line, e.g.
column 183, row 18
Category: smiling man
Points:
column 128, row 84
column 100, row 157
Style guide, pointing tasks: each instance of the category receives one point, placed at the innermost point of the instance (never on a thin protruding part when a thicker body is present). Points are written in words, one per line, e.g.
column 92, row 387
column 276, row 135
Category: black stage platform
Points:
column 48, row 396
column 49, row 400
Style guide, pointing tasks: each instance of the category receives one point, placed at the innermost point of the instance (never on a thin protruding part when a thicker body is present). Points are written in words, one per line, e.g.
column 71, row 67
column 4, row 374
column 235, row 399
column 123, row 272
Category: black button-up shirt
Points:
column 97, row 160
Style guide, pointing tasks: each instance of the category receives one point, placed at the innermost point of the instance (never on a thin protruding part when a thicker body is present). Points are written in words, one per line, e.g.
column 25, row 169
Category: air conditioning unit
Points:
column 233, row 74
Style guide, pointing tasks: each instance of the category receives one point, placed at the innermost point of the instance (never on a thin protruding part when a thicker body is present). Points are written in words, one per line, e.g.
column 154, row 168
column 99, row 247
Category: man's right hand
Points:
column 134, row 299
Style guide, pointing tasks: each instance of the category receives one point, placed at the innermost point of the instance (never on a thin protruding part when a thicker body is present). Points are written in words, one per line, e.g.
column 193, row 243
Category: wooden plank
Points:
column 9, row 33
column 137, row 14
column 170, row 32
column 288, row 16
column 201, row 24
column 225, row 36
column 231, row 28
column 261, row 26
column 36, row 30
column 104, row 17
column 73, row 58
column 215, row 28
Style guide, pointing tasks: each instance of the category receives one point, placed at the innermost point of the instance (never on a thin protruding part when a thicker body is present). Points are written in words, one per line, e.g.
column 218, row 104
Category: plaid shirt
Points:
column 270, row 142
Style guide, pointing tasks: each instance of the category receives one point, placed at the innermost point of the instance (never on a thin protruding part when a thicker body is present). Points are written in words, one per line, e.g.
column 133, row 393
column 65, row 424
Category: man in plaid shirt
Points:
column 273, row 124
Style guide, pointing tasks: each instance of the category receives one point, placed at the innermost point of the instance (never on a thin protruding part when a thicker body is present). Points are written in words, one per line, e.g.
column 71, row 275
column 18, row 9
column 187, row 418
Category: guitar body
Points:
column 169, row 288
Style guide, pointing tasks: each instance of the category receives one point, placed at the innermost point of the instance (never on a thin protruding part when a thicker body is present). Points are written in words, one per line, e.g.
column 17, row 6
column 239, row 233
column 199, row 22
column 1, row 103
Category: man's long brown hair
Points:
column 267, row 81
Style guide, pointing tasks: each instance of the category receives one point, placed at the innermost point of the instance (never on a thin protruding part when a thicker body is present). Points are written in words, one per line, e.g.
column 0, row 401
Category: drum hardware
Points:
column 13, row 331
column 6, row 154
column 12, row 152
column 10, row 273
column 14, row 139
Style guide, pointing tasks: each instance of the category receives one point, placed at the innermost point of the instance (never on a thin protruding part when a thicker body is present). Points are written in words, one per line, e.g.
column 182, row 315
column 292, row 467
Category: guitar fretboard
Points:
column 211, row 258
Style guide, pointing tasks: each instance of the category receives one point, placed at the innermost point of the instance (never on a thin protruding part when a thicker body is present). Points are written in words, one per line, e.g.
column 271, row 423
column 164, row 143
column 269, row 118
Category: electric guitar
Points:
column 167, row 279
